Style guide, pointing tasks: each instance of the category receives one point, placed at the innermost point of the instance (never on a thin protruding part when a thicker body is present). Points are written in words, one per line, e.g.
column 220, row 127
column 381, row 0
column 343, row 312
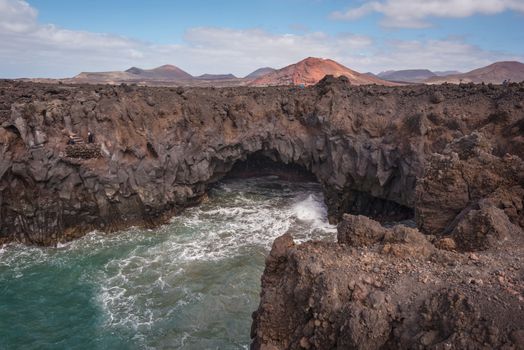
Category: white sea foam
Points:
column 18, row 256
column 309, row 209
column 313, row 211
column 146, row 277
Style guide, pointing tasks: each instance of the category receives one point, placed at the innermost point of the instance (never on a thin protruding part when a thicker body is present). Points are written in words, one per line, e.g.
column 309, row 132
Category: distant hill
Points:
column 408, row 75
column 446, row 72
column 165, row 72
column 306, row 72
column 166, row 75
column 311, row 70
column 101, row 78
column 216, row 76
column 372, row 75
column 260, row 72
column 495, row 73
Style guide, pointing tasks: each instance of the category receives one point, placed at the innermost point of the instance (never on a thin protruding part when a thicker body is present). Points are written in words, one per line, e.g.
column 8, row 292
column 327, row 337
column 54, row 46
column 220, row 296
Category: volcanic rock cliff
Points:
column 450, row 155
column 397, row 288
column 158, row 149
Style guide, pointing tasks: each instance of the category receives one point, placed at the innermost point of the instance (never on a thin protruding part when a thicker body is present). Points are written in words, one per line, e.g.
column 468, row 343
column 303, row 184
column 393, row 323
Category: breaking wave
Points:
column 190, row 284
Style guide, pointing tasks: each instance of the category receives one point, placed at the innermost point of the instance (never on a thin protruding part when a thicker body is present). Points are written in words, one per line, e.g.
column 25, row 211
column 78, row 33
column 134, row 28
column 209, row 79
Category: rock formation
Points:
column 451, row 286
column 162, row 147
column 389, row 289
column 397, row 288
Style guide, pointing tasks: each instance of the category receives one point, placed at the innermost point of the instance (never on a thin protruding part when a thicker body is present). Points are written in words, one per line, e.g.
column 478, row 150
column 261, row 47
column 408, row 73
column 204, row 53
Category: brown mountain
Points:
column 311, row 70
column 162, row 74
column 495, row 73
column 165, row 72
column 216, row 77
column 260, row 72
column 407, row 75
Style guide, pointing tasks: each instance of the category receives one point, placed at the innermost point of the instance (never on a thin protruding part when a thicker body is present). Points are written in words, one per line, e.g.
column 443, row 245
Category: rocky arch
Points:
column 267, row 163
column 353, row 179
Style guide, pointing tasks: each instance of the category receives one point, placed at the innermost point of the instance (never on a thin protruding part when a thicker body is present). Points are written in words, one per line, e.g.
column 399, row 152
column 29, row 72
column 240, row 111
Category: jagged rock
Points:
column 484, row 228
column 436, row 97
column 279, row 250
column 446, row 243
column 469, row 145
column 83, row 151
column 407, row 242
column 359, row 231
column 161, row 148
column 456, row 183
column 328, row 295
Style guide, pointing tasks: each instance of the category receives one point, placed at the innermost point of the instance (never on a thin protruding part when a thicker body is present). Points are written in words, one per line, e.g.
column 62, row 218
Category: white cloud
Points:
column 437, row 55
column 47, row 50
column 222, row 50
column 17, row 16
column 32, row 49
column 415, row 13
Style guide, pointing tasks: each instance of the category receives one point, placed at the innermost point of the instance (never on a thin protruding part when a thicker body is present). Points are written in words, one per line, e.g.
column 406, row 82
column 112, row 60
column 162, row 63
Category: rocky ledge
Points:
column 389, row 289
column 157, row 150
column 460, row 287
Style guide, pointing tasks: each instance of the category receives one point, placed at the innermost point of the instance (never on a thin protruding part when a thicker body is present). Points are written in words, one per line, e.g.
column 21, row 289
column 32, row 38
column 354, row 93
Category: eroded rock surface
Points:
column 466, row 177
column 457, row 282
column 159, row 149
column 395, row 290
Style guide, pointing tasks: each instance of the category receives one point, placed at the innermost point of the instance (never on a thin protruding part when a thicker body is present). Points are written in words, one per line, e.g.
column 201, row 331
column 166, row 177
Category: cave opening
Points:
column 382, row 210
column 268, row 163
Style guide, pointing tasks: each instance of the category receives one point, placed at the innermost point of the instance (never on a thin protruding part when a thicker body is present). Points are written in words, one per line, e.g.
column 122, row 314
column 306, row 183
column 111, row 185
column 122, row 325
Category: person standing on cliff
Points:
column 90, row 137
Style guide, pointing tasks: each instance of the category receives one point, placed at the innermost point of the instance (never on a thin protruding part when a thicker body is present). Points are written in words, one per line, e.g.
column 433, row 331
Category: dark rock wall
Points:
column 392, row 288
column 456, row 282
column 160, row 148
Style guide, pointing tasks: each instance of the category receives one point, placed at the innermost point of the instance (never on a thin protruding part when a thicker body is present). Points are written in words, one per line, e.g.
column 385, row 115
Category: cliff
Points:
column 158, row 149
column 450, row 155
column 397, row 288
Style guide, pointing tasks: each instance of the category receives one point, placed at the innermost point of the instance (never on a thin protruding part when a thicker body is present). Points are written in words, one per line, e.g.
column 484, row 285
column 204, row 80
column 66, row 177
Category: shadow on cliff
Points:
column 159, row 149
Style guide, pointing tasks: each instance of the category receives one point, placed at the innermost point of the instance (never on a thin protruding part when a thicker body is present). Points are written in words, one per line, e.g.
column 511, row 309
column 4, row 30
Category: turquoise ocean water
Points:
column 191, row 284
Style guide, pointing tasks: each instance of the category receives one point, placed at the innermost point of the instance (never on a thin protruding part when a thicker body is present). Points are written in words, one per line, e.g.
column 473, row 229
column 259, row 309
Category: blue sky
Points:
column 48, row 38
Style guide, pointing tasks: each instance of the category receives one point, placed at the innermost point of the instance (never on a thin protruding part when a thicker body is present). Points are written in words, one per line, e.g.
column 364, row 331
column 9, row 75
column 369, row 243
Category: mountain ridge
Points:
column 305, row 72
column 495, row 73
column 311, row 70
column 260, row 72
column 407, row 75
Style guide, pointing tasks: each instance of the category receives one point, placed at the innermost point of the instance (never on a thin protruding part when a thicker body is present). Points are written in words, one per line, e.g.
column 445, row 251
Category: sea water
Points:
column 190, row 284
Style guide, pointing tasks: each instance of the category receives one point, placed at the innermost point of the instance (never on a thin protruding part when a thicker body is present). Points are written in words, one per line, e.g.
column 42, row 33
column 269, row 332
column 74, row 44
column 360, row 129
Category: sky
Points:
column 61, row 38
